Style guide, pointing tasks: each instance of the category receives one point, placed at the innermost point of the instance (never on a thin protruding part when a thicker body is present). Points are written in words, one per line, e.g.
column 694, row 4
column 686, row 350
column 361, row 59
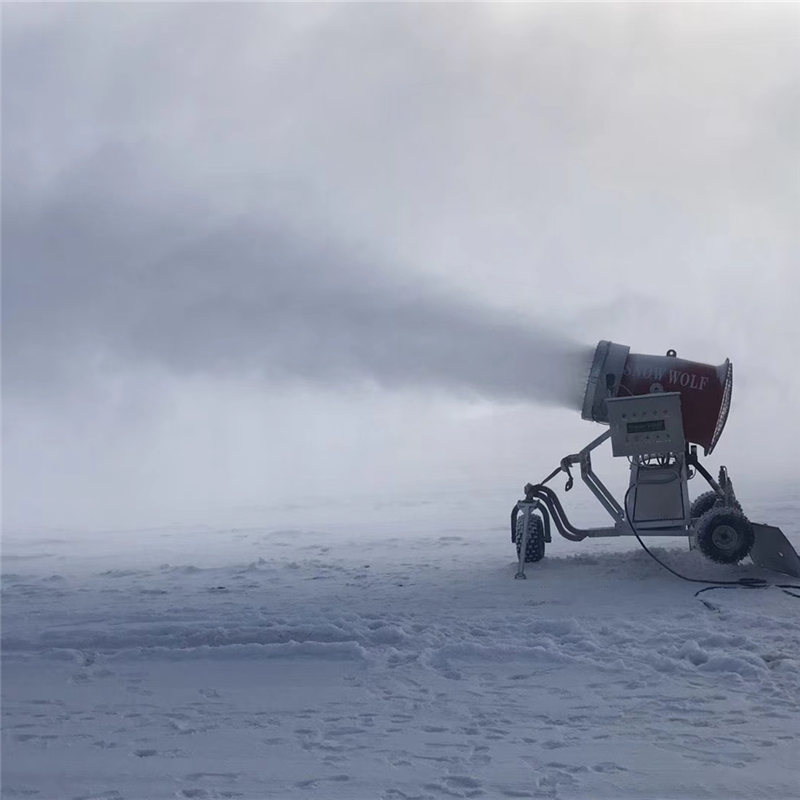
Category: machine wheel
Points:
column 535, row 549
column 725, row 535
column 705, row 502
column 702, row 503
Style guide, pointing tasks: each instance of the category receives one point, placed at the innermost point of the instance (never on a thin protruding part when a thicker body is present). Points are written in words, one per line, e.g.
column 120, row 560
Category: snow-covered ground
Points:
column 383, row 650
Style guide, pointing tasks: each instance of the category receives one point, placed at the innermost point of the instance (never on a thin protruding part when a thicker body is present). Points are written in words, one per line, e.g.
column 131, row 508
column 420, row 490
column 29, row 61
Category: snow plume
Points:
column 120, row 282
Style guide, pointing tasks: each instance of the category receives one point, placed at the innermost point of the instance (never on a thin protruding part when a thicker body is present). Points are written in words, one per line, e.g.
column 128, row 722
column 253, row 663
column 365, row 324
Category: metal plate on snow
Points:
column 772, row 550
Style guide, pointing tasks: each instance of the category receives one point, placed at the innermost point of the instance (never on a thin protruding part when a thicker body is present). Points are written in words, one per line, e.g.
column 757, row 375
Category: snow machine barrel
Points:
column 705, row 390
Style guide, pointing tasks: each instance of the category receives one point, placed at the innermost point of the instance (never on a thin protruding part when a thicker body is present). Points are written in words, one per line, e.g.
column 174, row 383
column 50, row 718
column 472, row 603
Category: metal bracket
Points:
column 596, row 486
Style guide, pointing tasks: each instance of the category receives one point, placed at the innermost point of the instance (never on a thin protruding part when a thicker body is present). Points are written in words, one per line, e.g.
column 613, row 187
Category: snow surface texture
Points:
column 393, row 658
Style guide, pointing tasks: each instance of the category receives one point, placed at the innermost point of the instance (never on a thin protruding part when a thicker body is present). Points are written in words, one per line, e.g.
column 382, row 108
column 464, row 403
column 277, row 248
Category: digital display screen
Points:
column 647, row 426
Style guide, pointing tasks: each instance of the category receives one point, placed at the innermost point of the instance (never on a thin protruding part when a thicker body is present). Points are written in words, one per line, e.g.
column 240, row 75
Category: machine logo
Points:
column 673, row 377
column 688, row 379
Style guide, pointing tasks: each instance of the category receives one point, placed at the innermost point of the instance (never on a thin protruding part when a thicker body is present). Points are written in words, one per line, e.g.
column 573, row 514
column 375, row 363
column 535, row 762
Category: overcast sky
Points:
column 252, row 252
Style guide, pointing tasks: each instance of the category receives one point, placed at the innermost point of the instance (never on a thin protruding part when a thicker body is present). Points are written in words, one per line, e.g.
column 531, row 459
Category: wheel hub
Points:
column 725, row 537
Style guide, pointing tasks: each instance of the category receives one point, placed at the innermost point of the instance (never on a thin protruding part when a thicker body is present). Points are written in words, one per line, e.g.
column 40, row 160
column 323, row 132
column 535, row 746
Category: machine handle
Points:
column 565, row 464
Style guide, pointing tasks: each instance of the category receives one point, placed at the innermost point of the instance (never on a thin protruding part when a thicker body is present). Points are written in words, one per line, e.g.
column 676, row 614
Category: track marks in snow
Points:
column 334, row 676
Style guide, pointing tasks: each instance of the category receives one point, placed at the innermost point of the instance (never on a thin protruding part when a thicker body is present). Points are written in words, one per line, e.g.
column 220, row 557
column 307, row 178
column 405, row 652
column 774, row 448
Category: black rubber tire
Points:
column 724, row 535
column 705, row 502
column 702, row 503
column 535, row 549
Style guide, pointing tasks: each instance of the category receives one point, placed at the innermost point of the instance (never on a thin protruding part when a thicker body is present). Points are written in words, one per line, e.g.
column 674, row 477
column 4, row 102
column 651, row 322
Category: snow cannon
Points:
column 658, row 410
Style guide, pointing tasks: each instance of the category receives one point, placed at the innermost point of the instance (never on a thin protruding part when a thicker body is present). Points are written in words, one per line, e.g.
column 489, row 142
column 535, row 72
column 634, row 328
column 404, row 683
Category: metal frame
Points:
column 542, row 499
column 771, row 550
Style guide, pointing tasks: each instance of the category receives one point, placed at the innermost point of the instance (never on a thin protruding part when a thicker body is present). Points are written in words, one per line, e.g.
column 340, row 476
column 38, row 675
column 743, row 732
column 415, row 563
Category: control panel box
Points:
column 646, row 424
